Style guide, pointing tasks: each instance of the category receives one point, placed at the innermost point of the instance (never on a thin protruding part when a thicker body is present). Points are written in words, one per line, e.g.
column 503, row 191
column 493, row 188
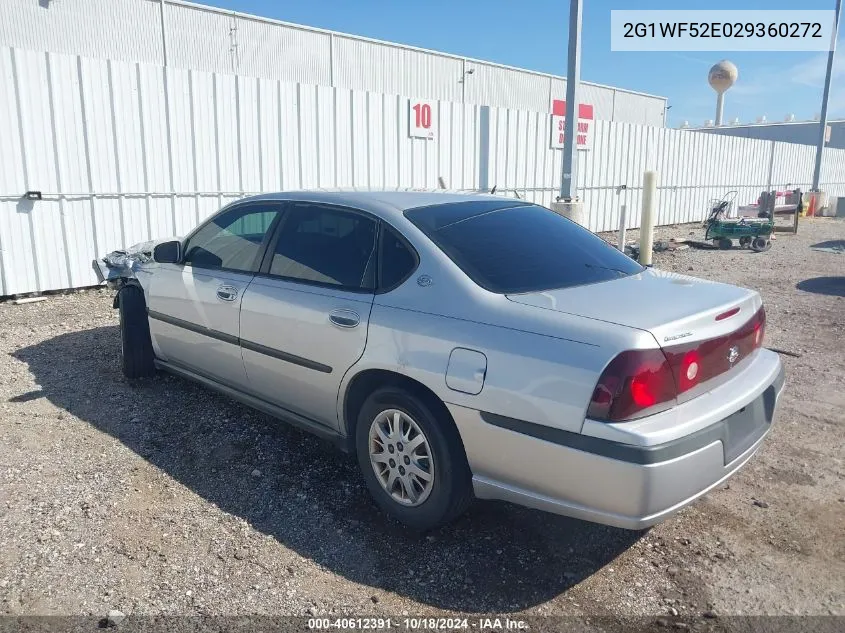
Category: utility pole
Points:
column 825, row 95
column 568, row 182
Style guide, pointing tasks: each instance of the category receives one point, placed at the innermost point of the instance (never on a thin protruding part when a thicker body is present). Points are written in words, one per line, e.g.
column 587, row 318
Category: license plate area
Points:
column 743, row 428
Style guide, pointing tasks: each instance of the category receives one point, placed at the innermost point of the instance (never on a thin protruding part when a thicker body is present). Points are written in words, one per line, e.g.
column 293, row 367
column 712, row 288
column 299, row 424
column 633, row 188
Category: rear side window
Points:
column 326, row 245
column 524, row 248
column 231, row 240
column 396, row 260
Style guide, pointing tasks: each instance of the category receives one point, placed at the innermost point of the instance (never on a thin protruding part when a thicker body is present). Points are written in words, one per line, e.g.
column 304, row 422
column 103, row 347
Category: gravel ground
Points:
column 164, row 498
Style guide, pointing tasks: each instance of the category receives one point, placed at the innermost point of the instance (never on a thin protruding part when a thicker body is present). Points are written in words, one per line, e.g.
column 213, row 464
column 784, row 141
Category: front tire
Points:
column 413, row 461
column 136, row 347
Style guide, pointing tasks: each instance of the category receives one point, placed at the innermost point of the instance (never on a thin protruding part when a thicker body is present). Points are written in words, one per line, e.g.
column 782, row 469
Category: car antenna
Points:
column 493, row 190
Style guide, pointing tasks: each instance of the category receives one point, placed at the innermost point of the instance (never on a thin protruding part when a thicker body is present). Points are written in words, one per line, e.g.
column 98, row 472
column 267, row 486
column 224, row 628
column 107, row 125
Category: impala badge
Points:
column 675, row 337
column 733, row 354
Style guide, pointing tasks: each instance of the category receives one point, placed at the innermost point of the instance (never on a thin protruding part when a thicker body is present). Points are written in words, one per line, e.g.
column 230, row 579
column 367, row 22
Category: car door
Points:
column 194, row 306
column 304, row 317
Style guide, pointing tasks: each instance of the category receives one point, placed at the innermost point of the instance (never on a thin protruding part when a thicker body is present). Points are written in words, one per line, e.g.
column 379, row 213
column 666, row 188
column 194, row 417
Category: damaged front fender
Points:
column 117, row 267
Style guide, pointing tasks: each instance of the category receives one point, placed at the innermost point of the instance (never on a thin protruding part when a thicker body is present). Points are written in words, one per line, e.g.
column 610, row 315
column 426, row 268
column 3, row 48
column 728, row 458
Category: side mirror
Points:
column 168, row 252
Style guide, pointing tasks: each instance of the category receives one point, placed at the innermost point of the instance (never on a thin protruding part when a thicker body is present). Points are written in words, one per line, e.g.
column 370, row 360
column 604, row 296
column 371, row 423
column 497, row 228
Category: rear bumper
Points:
column 632, row 484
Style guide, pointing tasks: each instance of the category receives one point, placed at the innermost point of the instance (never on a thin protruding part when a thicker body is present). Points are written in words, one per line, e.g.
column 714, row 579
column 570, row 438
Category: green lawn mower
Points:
column 753, row 232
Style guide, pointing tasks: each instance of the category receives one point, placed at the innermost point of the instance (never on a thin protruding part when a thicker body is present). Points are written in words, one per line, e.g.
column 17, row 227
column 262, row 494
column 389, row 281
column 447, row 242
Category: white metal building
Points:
column 202, row 38
column 104, row 145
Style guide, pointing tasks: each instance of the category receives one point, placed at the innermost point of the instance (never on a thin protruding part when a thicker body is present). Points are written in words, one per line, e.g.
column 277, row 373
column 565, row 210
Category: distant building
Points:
column 802, row 132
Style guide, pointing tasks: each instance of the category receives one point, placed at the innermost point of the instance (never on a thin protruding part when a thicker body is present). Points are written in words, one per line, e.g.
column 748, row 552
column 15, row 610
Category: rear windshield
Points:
column 513, row 248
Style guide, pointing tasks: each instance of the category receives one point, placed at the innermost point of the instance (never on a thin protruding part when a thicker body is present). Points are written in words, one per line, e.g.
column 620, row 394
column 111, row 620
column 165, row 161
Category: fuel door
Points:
column 466, row 371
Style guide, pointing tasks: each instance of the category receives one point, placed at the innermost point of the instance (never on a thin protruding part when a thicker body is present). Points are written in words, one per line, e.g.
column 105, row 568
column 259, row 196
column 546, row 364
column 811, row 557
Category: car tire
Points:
column 136, row 348
column 449, row 492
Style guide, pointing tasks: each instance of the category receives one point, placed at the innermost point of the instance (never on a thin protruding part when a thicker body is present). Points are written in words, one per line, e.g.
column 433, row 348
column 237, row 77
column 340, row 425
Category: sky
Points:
column 532, row 34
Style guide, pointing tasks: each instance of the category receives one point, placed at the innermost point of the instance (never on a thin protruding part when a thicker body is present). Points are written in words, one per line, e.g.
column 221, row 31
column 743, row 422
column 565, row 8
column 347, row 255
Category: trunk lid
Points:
column 675, row 309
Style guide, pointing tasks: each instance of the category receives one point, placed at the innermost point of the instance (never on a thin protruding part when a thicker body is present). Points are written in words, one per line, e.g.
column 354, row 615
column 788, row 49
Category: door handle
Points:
column 344, row 318
column 227, row 293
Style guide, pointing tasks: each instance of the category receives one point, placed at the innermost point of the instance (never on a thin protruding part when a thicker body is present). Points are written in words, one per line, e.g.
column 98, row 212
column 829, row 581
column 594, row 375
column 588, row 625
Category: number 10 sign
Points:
column 422, row 121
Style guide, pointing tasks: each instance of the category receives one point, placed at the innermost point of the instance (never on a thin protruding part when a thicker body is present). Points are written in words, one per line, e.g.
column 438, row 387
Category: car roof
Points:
column 386, row 202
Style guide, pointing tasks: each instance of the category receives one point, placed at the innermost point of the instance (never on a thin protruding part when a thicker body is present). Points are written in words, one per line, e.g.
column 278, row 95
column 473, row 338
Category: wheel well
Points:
column 125, row 283
column 371, row 379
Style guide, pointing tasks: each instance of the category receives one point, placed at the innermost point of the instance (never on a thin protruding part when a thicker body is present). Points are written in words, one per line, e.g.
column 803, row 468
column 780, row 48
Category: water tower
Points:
column 721, row 77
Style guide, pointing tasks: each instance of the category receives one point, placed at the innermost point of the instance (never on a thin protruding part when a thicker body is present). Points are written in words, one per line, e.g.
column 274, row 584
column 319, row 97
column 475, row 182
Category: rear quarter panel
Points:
column 542, row 365
column 533, row 377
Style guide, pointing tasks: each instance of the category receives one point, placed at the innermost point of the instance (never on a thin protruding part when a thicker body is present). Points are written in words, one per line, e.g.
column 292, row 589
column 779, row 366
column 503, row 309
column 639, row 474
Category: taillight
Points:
column 759, row 327
column 635, row 383
column 641, row 382
column 695, row 363
column 689, row 370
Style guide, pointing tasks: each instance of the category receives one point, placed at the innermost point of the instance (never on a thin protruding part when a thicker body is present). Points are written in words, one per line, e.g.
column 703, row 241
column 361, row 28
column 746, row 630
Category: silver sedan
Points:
column 461, row 346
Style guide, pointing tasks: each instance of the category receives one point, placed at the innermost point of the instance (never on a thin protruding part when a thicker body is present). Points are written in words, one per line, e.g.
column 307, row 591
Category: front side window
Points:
column 232, row 240
column 326, row 245
column 510, row 247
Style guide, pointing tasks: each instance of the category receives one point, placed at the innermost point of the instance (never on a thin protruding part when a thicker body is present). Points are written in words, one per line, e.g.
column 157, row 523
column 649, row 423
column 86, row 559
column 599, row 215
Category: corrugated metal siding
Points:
column 558, row 88
column 611, row 104
column 16, row 236
column 363, row 65
column 125, row 152
column 694, row 169
column 638, row 108
column 268, row 50
column 212, row 40
column 603, row 100
column 833, row 172
column 807, row 134
column 44, row 224
column 200, row 40
column 116, row 29
column 503, row 87
column 793, row 165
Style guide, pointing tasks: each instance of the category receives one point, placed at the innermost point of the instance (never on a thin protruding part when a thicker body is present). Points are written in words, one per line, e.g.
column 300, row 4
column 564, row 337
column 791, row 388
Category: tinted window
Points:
column 396, row 260
column 326, row 245
column 522, row 248
column 440, row 215
column 231, row 240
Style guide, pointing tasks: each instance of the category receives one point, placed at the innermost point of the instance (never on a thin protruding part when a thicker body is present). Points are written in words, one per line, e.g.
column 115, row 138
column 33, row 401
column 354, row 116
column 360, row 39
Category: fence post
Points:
column 623, row 220
column 623, row 213
column 647, row 221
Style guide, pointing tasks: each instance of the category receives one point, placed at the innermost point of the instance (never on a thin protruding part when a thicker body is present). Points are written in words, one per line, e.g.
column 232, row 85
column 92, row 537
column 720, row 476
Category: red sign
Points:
column 584, row 131
column 422, row 121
